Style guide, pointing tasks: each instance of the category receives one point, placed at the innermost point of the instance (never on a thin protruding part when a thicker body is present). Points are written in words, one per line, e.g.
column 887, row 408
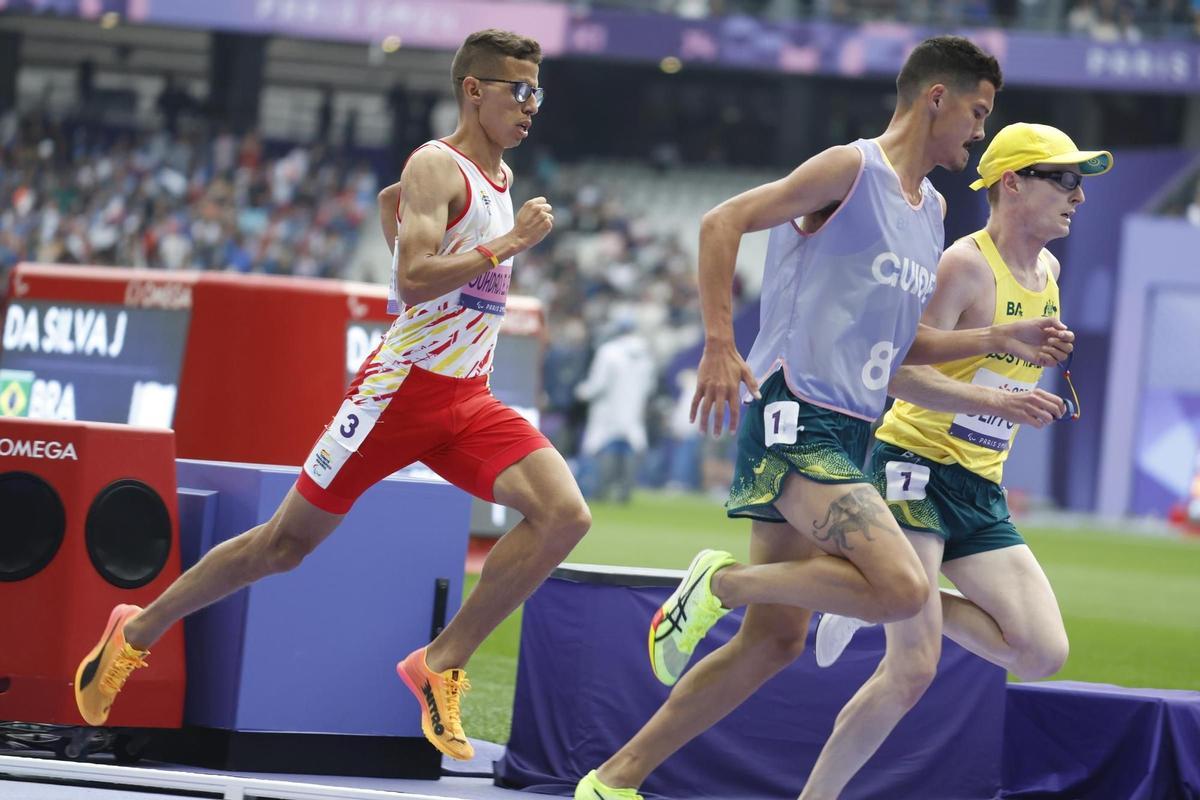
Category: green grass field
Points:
column 1131, row 603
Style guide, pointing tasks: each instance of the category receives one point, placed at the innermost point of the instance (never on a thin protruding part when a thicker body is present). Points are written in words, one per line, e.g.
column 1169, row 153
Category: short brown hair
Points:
column 952, row 60
column 483, row 52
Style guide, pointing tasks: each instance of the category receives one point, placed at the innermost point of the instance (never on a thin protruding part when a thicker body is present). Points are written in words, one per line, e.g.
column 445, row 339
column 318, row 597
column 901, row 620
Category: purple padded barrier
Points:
column 314, row 650
column 1091, row 741
column 584, row 687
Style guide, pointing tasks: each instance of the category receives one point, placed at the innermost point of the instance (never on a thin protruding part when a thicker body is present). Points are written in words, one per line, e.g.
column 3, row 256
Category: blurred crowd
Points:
column 78, row 195
column 1103, row 20
column 72, row 194
column 1132, row 22
column 622, row 303
column 1106, row 20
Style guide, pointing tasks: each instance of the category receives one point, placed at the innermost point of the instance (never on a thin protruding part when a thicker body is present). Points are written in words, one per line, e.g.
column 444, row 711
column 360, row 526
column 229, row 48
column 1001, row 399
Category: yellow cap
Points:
column 1024, row 144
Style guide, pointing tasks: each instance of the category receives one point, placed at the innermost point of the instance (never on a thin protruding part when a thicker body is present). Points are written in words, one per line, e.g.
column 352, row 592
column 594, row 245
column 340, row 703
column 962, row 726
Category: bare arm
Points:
column 926, row 387
column 822, row 180
column 429, row 185
column 961, row 281
column 963, row 276
column 389, row 202
column 1044, row 341
column 936, row 346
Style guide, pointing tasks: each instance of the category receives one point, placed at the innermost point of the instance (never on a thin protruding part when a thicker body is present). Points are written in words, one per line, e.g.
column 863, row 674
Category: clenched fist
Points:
column 534, row 221
column 1044, row 341
column 1037, row 408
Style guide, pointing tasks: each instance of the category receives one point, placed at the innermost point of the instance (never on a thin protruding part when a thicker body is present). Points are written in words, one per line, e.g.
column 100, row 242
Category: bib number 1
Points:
column 878, row 370
column 781, row 421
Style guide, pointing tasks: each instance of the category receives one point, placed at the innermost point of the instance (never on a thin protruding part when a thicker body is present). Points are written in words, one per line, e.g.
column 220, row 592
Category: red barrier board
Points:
column 263, row 368
column 90, row 521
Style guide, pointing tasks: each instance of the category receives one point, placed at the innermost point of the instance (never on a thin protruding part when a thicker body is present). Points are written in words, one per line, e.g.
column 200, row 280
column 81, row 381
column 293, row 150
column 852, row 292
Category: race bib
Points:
column 906, row 481
column 394, row 306
column 352, row 424
column 325, row 460
column 341, row 440
column 992, row 432
column 780, row 420
column 488, row 292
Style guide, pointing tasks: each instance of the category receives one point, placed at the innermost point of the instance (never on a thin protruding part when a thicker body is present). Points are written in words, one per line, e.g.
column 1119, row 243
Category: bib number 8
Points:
column 878, row 369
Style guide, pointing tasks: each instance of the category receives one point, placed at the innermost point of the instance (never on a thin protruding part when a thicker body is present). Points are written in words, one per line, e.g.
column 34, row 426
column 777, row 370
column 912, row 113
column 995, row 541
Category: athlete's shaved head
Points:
column 950, row 60
column 482, row 55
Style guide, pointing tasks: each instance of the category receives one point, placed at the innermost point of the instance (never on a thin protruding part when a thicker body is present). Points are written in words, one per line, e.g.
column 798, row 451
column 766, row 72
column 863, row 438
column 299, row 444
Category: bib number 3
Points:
column 878, row 370
column 351, row 425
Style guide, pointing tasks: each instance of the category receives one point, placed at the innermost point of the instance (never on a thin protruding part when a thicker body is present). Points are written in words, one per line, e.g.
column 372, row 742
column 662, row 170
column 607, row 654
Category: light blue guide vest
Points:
column 840, row 307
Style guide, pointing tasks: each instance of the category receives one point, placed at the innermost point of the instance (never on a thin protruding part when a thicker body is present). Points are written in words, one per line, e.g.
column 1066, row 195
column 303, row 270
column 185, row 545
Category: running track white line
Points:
column 229, row 787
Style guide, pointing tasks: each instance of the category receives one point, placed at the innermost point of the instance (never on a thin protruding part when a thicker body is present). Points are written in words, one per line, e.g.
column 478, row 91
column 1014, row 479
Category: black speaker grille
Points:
column 128, row 533
column 32, row 525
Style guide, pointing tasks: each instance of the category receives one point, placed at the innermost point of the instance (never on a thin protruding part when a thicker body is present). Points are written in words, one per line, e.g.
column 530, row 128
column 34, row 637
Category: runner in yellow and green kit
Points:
column 940, row 471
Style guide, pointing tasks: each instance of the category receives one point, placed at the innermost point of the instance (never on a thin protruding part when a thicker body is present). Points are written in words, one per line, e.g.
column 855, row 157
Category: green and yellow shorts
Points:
column 780, row 434
column 948, row 500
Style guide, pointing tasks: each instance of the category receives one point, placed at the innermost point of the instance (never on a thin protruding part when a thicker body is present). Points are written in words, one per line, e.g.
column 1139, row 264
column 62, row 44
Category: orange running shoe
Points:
column 440, row 696
column 103, row 672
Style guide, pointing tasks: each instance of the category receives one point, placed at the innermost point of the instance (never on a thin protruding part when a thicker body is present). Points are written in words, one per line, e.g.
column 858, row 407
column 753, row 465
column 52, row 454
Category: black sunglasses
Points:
column 1064, row 178
column 1074, row 409
column 521, row 90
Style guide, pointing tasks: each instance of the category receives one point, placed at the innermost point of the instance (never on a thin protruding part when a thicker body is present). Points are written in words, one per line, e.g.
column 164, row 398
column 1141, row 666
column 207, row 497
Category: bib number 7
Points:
column 906, row 481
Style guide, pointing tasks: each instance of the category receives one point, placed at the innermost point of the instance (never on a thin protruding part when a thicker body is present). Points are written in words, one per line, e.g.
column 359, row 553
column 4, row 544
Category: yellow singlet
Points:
column 979, row 443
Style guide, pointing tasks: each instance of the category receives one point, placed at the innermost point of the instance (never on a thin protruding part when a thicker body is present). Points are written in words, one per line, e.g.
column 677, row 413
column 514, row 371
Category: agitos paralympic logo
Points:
column 322, row 461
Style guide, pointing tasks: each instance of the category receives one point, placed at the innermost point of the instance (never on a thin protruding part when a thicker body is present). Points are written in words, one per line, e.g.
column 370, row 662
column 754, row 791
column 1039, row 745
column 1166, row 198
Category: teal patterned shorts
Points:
column 781, row 433
column 948, row 500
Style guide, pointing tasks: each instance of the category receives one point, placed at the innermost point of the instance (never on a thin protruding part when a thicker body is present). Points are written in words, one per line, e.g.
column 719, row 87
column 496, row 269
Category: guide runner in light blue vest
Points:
column 856, row 234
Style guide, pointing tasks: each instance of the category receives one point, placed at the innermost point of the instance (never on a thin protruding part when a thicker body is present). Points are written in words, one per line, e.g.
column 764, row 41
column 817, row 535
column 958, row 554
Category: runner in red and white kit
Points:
column 421, row 395
column 429, row 375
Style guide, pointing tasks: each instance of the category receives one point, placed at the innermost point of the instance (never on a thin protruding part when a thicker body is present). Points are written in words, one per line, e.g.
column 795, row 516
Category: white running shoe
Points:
column 834, row 632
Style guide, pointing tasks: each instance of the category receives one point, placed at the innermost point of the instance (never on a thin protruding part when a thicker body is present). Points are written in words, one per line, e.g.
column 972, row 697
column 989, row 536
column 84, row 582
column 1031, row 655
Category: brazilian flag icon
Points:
column 15, row 386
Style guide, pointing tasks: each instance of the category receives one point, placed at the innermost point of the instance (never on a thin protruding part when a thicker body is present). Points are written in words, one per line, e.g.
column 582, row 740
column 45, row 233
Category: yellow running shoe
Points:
column 440, row 696
column 590, row 788
column 689, row 613
column 104, row 670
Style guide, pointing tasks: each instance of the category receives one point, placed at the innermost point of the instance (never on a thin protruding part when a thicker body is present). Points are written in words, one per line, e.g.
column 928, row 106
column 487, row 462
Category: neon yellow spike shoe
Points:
column 590, row 788
column 440, row 696
column 103, row 672
column 689, row 613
